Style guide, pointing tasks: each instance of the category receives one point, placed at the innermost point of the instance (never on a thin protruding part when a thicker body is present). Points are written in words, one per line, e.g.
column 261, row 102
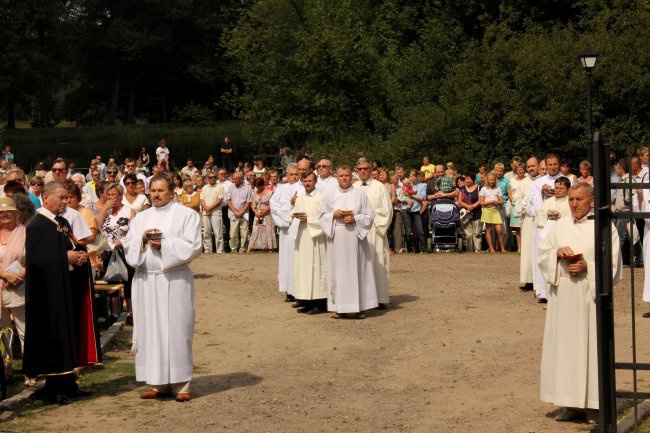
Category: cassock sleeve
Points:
column 184, row 244
column 528, row 204
column 280, row 208
column 617, row 264
column 384, row 213
column 365, row 215
column 132, row 243
column 548, row 259
column 313, row 222
column 326, row 218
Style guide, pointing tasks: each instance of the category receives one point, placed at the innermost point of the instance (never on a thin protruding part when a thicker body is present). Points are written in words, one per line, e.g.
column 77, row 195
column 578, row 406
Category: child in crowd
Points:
column 491, row 199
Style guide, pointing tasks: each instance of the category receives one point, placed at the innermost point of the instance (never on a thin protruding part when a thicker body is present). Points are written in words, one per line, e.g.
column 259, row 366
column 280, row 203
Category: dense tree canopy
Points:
column 466, row 80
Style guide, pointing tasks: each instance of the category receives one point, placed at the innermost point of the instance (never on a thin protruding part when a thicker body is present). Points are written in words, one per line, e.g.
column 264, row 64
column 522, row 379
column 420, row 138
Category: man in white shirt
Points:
column 212, row 196
column 129, row 166
column 189, row 170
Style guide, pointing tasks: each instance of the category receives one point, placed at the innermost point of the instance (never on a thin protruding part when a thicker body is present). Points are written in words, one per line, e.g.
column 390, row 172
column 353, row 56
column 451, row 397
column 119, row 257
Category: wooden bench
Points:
column 104, row 294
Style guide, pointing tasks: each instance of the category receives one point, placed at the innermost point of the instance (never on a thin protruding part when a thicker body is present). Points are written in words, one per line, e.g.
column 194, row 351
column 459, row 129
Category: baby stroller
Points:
column 445, row 226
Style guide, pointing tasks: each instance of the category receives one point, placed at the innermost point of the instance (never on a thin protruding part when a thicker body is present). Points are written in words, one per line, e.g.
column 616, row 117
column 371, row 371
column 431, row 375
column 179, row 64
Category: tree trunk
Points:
column 11, row 113
column 115, row 98
column 130, row 118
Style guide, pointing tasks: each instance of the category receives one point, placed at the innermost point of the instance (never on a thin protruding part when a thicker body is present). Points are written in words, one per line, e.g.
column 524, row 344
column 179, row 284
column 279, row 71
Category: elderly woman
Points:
column 12, row 271
column 585, row 173
column 115, row 220
column 87, row 194
column 190, row 198
column 137, row 202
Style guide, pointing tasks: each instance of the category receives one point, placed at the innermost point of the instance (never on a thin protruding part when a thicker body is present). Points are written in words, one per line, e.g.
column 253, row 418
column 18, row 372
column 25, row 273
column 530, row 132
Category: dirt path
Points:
column 459, row 351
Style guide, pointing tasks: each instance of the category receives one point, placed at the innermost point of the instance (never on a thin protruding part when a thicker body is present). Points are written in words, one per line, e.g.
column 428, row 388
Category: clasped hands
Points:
column 77, row 258
column 575, row 268
column 347, row 219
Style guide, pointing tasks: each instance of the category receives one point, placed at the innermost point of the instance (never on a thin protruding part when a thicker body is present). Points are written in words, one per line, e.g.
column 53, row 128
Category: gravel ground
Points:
column 458, row 351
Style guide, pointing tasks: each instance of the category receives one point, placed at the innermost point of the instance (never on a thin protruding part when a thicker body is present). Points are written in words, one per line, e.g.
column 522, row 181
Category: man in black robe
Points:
column 61, row 332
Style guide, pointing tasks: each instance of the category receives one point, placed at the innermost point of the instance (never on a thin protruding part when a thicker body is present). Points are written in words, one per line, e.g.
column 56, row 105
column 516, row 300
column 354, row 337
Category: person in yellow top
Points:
column 427, row 168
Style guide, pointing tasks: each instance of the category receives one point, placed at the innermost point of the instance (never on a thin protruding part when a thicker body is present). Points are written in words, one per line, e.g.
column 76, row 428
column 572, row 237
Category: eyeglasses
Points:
column 111, row 172
column 323, row 166
column 212, row 177
column 95, row 174
column 363, row 168
column 130, row 182
column 130, row 166
column 35, row 184
column 58, row 170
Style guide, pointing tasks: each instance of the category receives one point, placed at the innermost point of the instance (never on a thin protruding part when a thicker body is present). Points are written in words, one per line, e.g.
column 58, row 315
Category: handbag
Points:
column 116, row 269
column 99, row 245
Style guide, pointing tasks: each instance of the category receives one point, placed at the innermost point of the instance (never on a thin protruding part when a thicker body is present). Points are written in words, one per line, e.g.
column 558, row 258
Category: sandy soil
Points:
column 458, row 351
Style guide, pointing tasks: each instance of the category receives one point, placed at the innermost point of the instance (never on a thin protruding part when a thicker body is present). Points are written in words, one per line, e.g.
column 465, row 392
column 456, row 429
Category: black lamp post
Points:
column 588, row 60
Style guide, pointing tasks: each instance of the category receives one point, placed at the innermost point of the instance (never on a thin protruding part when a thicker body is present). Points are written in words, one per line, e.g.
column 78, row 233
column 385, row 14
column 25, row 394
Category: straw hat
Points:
column 7, row 203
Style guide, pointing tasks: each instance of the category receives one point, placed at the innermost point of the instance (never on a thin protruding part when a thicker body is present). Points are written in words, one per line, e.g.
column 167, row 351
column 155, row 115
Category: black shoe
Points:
column 298, row 304
column 60, row 399
column 289, row 298
column 527, row 287
column 639, row 265
column 382, row 306
column 646, row 314
column 303, row 309
column 129, row 320
column 315, row 310
column 80, row 392
column 542, row 301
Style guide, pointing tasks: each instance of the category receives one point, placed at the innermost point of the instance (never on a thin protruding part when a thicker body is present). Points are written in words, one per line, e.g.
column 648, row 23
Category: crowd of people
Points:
column 334, row 230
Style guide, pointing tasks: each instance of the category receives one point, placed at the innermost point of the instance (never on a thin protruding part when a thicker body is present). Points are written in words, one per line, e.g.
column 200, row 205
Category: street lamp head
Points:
column 588, row 59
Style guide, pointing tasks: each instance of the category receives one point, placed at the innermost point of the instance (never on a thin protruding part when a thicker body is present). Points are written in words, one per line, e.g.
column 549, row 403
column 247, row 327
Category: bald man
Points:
column 325, row 178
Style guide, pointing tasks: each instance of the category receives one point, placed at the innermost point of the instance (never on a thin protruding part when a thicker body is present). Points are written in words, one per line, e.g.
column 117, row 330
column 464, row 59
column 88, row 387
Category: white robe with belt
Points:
column 281, row 212
column 527, row 225
column 309, row 250
column 350, row 281
column 378, row 236
column 531, row 204
column 569, row 372
column 163, row 293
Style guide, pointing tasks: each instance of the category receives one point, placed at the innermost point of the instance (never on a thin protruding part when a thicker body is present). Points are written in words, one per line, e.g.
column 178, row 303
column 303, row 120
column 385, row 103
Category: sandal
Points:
column 338, row 316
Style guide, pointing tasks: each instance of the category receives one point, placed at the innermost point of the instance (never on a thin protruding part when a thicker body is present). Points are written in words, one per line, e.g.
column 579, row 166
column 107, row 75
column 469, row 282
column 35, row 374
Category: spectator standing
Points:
column 114, row 221
column 189, row 197
column 468, row 199
column 162, row 153
column 565, row 169
column 190, row 170
column 585, row 173
column 504, row 209
column 427, row 168
column 134, row 200
column 129, row 168
column 238, row 198
column 101, row 167
column 212, row 197
column 144, row 157
column 59, row 170
column 37, row 188
column 514, row 163
column 226, row 152
column 412, row 218
column 491, row 199
column 8, row 156
column 263, row 234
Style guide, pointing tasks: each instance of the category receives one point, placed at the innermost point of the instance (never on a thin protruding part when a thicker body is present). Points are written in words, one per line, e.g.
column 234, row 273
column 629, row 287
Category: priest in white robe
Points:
column 309, row 285
column 541, row 190
column 569, row 371
column 163, row 291
column 527, row 226
column 282, row 203
column 346, row 217
column 377, row 237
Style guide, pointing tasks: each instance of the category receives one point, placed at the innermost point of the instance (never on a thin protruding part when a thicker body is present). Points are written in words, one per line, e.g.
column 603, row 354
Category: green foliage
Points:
column 464, row 80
